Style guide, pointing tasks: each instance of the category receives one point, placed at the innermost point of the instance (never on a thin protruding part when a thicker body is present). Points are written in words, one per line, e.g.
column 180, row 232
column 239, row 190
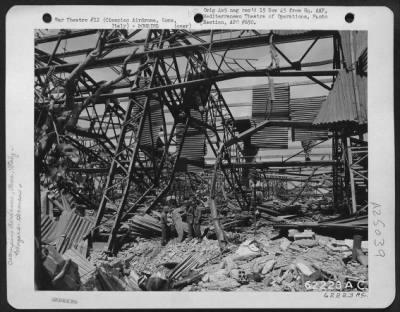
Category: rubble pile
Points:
column 284, row 265
column 278, row 247
column 263, row 261
column 150, row 177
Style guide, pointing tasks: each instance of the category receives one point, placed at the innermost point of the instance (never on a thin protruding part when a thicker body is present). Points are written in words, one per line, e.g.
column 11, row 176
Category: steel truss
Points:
column 123, row 139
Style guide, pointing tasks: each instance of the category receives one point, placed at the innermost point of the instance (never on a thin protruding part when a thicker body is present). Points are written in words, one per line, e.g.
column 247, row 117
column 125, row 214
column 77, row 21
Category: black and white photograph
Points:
column 229, row 160
column 200, row 157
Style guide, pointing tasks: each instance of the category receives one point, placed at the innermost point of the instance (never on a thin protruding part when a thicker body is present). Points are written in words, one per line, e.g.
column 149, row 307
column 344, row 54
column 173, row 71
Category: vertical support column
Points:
column 349, row 162
column 133, row 151
column 338, row 170
column 354, row 76
column 146, row 109
column 335, row 181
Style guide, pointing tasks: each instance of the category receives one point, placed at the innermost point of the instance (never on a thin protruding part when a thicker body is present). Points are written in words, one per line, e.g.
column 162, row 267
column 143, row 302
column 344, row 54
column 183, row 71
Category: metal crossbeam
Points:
column 217, row 45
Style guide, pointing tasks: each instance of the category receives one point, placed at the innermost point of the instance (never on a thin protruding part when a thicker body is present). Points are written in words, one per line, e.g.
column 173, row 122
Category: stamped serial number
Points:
column 335, row 285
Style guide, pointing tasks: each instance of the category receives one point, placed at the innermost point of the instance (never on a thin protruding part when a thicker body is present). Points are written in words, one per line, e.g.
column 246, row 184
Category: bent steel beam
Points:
column 267, row 164
column 283, row 72
column 217, row 45
column 222, row 240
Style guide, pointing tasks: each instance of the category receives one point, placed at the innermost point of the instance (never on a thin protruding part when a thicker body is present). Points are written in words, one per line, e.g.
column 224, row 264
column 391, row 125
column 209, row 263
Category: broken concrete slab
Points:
column 307, row 234
column 284, row 244
column 304, row 267
column 292, row 232
column 306, row 243
column 248, row 249
column 268, row 266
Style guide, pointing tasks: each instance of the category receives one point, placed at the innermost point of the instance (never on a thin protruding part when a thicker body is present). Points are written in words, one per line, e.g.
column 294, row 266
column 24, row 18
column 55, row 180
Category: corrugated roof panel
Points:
column 340, row 105
column 305, row 110
column 309, row 134
column 48, row 229
column 271, row 103
column 271, row 138
column 193, row 149
column 360, row 44
column 362, row 67
column 72, row 229
column 151, row 129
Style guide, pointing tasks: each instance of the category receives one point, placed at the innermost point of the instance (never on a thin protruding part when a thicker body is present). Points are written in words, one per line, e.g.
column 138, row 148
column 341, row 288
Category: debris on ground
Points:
column 291, row 255
column 151, row 180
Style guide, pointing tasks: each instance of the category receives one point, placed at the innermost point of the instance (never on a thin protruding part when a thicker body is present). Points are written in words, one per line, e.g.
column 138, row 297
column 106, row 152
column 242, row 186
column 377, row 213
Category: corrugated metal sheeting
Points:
column 193, row 149
column 67, row 232
column 48, row 229
column 271, row 103
column 358, row 42
column 75, row 228
column 271, row 138
column 153, row 121
column 340, row 105
column 305, row 110
column 362, row 63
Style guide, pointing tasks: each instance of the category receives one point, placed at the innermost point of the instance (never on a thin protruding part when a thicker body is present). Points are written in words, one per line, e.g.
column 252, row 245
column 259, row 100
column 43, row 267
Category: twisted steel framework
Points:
column 125, row 145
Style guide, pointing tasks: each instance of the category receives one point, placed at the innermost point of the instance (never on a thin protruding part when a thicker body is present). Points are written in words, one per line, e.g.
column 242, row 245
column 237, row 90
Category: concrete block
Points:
column 284, row 243
column 304, row 235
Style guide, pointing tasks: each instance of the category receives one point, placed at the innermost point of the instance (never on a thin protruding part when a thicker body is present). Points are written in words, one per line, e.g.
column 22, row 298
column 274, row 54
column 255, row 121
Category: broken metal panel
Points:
column 48, row 227
column 194, row 101
column 193, row 149
column 112, row 135
column 306, row 109
column 271, row 102
column 153, row 121
column 73, row 229
column 340, row 105
column 125, row 140
column 309, row 135
column 145, row 226
column 359, row 44
column 272, row 138
column 66, row 232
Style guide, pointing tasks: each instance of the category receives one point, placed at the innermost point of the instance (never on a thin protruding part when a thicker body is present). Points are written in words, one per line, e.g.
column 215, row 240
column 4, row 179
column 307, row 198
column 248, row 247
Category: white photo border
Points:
column 20, row 24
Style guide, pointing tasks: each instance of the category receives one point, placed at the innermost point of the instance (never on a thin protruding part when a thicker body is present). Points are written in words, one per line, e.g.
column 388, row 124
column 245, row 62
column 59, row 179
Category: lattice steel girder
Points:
column 142, row 112
column 132, row 149
column 216, row 109
column 220, row 77
column 219, row 109
column 217, row 45
column 268, row 164
column 166, row 188
column 115, row 45
column 170, row 83
column 338, row 188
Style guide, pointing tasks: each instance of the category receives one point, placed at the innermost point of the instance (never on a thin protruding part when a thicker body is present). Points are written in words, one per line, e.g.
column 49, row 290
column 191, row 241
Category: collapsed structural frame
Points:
column 121, row 146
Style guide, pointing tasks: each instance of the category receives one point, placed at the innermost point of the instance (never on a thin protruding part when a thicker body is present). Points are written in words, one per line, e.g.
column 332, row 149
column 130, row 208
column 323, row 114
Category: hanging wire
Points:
column 273, row 65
